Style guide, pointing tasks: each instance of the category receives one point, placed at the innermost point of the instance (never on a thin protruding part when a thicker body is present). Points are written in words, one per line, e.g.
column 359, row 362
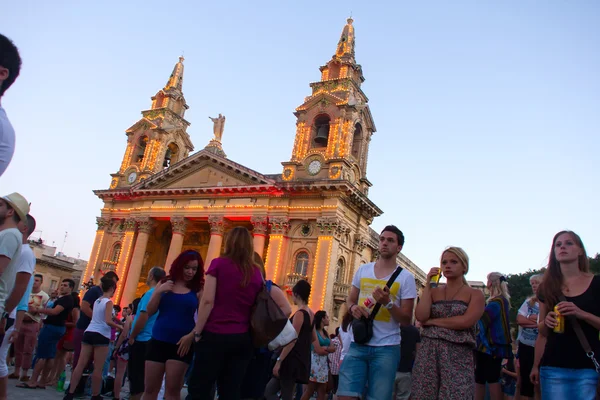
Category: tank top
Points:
column 296, row 365
column 563, row 350
column 98, row 323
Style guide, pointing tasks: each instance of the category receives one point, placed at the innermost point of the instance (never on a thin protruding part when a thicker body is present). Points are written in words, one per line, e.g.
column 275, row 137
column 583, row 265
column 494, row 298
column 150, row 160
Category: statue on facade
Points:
column 218, row 127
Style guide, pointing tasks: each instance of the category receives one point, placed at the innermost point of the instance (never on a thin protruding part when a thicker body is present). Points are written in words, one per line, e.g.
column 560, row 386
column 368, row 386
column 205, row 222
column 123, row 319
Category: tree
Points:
column 595, row 264
column 520, row 289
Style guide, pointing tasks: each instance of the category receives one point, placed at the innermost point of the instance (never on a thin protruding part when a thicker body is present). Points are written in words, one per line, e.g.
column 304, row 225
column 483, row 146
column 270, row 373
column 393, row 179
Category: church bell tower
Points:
column 160, row 138
column 334, row 124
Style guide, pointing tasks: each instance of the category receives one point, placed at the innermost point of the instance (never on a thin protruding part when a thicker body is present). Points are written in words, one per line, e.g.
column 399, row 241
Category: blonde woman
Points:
column 493, row 339
column 448, row 315
column 527, row 318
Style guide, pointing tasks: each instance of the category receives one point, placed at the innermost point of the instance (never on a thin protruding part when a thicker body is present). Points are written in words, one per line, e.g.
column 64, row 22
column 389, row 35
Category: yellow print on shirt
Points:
column 368, row 285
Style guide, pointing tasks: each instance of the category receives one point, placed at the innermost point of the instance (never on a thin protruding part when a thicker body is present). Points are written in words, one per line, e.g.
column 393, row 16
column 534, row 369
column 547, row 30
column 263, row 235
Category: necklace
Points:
column 457, row 292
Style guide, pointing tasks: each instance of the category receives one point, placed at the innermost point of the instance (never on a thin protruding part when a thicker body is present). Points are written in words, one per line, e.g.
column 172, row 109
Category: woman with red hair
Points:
column 175, row 299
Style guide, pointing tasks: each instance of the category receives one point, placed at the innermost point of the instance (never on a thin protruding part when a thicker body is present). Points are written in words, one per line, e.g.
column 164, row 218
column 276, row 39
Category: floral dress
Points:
column 319, row 366
column 444, row 364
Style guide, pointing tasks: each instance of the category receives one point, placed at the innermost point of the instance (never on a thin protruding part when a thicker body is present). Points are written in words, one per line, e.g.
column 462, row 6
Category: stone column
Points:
column 145, row 227
column 278, row 244
column 259, row 232
column 129, row 227
column 95, row 255
column 217, row 229
column 323, row 272
column 178, row 224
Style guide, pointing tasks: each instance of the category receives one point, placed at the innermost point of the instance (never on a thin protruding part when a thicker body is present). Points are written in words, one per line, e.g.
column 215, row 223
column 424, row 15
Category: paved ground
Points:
column 31, row 394
column 15, row 393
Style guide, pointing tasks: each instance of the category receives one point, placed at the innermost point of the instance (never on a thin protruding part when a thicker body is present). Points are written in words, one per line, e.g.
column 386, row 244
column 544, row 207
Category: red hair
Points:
column 176, row 272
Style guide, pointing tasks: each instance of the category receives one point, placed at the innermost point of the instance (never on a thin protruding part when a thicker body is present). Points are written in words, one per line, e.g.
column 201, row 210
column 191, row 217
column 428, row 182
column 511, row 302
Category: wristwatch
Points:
column 389, row 305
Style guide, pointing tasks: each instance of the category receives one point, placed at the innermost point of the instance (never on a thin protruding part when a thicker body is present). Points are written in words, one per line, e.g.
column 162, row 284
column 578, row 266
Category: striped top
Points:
column 493, row 335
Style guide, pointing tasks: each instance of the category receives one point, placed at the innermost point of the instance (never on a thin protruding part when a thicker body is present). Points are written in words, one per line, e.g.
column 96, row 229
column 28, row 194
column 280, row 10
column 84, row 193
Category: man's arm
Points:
column 403, row 313
column 9, row 246
column 86, row 308
column 52, row 311
column 4, row 261
column 139, row 325
column 356, row 310
column 21, row 282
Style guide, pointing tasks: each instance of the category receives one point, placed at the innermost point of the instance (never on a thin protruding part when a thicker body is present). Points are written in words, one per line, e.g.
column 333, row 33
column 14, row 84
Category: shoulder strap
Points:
column 269, row 284
column 581, row 336
column 389, row 284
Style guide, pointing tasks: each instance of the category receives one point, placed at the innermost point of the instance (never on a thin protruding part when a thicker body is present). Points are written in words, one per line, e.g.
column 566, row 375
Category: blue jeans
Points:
column 106, row 366
column 564, row 383
column 47, row 341
column 372, row 366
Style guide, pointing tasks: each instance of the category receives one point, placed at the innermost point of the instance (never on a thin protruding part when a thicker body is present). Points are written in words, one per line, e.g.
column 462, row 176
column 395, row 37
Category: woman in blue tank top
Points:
column 175, row 299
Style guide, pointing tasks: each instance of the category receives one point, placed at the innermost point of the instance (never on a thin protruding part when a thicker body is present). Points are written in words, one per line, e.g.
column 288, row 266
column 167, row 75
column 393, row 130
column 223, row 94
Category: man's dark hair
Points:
column 9, row 59
column 398, row 232
column 71, row 283
column 157, row 273
column 117, row 308
column 30, row 225
column 111, row 275
column 39, row 276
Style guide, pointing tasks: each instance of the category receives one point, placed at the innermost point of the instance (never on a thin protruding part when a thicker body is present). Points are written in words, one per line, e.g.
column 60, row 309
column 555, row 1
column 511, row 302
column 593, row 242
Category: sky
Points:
column 487, row 113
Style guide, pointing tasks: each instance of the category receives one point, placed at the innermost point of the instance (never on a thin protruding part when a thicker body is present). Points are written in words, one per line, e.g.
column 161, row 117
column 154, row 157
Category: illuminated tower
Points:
column 159, row 139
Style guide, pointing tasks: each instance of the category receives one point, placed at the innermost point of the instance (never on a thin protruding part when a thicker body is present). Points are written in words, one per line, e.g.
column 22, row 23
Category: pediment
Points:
column 314, row 100
column 143, row 124
column 204, row 170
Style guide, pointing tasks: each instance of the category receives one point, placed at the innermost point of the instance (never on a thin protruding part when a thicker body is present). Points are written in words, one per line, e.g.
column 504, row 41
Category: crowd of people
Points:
column 193, row 327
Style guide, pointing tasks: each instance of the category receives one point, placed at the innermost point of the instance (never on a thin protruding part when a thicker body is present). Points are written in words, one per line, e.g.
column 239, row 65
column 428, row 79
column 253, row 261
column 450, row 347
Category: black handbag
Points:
column 362, row 329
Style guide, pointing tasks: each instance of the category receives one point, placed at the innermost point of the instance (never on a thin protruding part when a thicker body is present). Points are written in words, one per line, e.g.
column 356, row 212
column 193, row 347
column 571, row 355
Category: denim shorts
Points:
column 47, row 341
column 563, row 383
column 372, row 366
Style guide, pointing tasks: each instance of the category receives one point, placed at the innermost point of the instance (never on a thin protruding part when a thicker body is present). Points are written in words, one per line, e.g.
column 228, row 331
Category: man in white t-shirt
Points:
column 13, row 209
column 374, row 364
column 10, row 66
column 19, row 294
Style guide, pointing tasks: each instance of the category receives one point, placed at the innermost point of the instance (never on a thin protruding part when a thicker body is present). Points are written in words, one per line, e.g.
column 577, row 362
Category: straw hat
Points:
column 19, row 204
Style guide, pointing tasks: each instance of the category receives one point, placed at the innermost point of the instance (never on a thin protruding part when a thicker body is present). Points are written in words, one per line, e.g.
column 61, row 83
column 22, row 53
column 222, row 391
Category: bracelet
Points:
column 353, row 305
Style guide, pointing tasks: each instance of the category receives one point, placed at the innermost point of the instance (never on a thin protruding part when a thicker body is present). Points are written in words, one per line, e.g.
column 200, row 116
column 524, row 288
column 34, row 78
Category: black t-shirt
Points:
column 410, row 336
column 563, row 350
column 59, row 320
column 90, row 296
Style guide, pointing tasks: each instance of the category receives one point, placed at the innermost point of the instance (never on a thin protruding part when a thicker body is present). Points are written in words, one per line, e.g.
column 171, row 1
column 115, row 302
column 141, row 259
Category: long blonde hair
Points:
column 462, row 256
column 499, row 286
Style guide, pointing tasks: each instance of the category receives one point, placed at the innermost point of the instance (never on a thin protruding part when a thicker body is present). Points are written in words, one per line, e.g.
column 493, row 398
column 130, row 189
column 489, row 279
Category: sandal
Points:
column 13, row 376
column 26, row 385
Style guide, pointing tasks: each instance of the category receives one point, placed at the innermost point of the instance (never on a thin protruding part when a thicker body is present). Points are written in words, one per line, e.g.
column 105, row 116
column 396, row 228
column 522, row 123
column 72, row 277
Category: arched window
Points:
column 301, row 264
column 321, row 130
column 356, row 141
column 339, row 272
column 141, row 149
column 171, row 155
column 115, row 253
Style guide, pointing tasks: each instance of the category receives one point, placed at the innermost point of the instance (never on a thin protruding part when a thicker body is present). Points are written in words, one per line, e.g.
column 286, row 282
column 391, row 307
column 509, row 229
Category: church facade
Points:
column 311, row 221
